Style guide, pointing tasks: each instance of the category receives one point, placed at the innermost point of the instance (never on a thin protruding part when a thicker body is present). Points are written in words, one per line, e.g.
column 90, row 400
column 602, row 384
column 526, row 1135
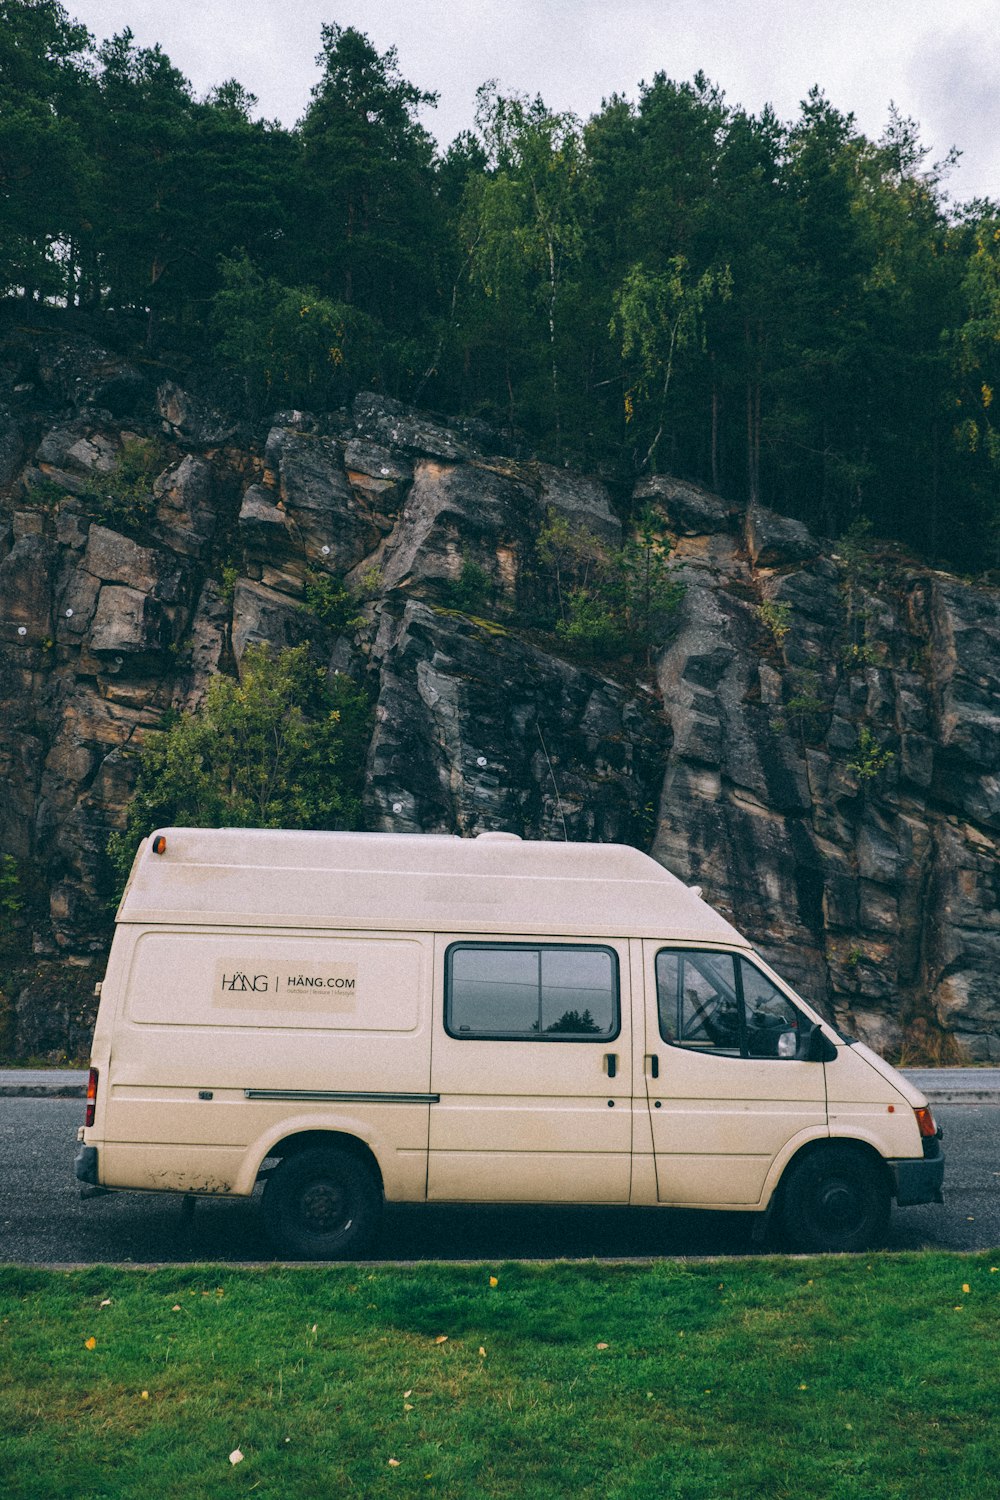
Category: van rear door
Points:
column 531, row 1060
column 732, row 1089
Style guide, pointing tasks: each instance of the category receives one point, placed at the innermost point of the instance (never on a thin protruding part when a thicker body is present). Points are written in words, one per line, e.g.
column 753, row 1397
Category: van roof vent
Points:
column 498, row 836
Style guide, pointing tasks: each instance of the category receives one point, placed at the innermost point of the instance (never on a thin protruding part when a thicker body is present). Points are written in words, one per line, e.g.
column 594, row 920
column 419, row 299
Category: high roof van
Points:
column 370, row 1018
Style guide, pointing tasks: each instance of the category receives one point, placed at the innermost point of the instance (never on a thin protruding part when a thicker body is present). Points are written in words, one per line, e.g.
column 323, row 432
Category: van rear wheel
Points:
column 321, row 1204
column 835, row 1199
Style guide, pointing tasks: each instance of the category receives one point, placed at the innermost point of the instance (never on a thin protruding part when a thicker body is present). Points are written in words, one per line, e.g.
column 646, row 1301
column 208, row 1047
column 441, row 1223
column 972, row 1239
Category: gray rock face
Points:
column 393, row 425
column 456, row 514
column 326, row 521
column 79, row 373
column 774, row 540
column 581, row 499
column 839, row 804
column 815, row 744
column 477, row 730
column 190, row 419
column 689, row 509
column 185, row 512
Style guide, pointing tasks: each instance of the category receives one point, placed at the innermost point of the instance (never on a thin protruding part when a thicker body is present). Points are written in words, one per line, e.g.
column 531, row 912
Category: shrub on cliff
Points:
column 282, row 747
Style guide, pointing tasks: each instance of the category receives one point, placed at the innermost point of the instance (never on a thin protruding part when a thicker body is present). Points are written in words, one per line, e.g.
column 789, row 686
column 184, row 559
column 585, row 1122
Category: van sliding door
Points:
column 531, row 1061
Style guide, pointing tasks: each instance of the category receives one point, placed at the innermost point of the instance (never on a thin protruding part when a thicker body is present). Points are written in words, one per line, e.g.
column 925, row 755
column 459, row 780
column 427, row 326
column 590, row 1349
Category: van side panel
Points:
column 531, row 1119
column 226, row 1036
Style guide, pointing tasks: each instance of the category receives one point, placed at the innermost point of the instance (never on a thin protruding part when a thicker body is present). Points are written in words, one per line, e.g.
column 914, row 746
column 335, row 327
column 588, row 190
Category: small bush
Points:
column 776, row 617
column 331, row 603
column 472, row 591
column 871, row 758
column 124, row 498
column 281, row 747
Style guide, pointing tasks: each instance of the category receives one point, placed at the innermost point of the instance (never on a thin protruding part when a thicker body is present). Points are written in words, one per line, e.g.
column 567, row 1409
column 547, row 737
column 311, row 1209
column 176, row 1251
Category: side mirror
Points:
column 820, row 1048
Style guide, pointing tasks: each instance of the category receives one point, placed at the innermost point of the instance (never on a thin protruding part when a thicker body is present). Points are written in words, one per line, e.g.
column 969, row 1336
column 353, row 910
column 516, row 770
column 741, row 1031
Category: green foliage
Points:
column 592, row 626
column 281, row 747
column 521, row 221
column 371, row 581
column 860, row 654
column 776, row 616
column 871, row 759
column 124, row 498
column 609, row 601
column 791, row 312
column 290, row 343
column 11, row 902
column 330, row 602
column 227, row 587
column 471, row 591
column 658, row 315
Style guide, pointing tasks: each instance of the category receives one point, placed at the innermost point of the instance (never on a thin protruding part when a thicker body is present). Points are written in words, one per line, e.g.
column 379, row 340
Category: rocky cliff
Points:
column 814, row 741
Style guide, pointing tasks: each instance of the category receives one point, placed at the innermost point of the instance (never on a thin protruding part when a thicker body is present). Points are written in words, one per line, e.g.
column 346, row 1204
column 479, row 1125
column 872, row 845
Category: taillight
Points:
column 88, row 1118
column 925, row 1122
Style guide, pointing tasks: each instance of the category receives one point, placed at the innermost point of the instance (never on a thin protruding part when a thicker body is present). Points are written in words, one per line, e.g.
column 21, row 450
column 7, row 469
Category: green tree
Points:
column 46, row 169
column 367, row 182
column 148, row 225
column 975, row 351
column 280, row 747
column 522, row 221
column 290, row 343
column 658, row 316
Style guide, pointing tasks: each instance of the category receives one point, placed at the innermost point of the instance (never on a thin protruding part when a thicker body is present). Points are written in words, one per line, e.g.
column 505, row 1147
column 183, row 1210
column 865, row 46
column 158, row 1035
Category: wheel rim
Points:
column 839, row 1207
column 325, row 1209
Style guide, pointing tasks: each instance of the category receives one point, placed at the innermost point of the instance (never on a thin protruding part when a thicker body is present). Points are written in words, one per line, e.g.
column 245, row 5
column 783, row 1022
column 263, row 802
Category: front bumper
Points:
column 917, row 1179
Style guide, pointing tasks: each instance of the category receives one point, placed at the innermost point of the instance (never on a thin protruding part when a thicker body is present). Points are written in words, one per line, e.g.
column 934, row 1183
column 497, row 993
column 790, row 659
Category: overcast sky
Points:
column 939, row 63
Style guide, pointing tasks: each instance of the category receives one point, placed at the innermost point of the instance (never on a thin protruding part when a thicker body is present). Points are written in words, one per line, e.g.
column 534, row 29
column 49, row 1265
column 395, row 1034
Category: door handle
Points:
column 654, row 1065
column 611, row 1062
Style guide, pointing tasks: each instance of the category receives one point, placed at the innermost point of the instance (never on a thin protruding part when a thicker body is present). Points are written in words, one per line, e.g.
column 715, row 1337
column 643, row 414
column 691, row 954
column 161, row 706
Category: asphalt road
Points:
column 43, row 1220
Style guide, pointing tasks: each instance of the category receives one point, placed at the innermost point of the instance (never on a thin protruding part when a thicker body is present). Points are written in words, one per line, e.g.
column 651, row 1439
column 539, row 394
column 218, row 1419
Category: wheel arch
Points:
column 305, row 1140
column 862, row 1148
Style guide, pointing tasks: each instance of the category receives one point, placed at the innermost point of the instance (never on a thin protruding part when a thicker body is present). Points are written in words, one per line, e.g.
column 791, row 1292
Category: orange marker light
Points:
column 159, row 844
column 925, row 1121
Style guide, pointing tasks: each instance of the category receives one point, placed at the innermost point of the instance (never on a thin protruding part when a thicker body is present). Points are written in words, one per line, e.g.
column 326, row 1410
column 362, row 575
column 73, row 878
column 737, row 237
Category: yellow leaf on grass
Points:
column 407, row 1405
column 482, row 1351
column 442, row 1338
column 106, row 1302
column 602, row 1346
column 176, row 1307
column 406, row 1394
column 394, row 1463
column 90, row 1343
column 236, row 1457
column 494, row 1281
column 965, row 1287
column 144, row 1396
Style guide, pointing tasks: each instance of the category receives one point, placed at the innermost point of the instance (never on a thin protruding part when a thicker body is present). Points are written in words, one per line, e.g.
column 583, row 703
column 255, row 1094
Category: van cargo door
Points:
column 531, row 1060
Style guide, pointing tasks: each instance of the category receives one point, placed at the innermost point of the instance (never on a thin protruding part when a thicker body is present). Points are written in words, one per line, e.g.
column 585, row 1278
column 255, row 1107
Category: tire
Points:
column 834, row 1199
column 321, row 1204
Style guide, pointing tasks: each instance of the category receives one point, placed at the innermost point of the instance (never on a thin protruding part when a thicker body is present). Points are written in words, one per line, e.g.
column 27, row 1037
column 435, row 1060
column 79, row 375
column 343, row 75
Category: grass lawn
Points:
column 851, row 1378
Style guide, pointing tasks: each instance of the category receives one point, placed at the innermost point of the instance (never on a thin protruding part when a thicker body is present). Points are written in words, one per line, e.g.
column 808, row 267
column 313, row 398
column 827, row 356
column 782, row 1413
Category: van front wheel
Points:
column 834, row 1199
column 321, row 1204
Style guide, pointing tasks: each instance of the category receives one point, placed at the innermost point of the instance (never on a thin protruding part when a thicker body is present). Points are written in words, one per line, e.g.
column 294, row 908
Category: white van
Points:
column 362, row 1018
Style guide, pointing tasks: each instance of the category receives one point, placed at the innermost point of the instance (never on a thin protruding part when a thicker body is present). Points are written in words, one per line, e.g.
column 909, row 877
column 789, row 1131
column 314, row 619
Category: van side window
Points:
column 722, row 1003
column 531, row 992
